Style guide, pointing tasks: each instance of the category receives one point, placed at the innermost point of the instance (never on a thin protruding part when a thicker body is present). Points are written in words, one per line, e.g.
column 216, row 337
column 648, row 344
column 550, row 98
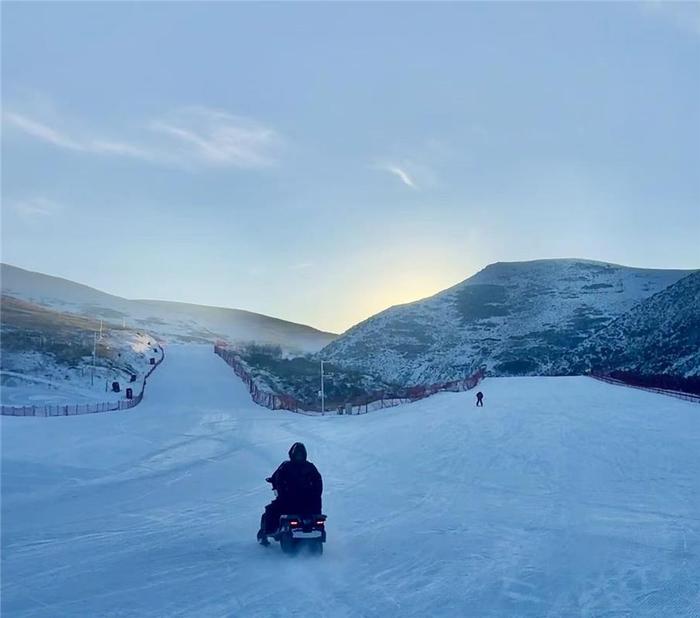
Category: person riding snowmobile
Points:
column 298, row 485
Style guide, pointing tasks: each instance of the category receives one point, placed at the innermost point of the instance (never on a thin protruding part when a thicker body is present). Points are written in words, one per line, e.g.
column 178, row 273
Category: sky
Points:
column 321, row 162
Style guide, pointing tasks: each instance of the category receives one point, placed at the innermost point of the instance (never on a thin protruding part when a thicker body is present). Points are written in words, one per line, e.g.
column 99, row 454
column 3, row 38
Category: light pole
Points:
column 94, row 350
column 323, row 393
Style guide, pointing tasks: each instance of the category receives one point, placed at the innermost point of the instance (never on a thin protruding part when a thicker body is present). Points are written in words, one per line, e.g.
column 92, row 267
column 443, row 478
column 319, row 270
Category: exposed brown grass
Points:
column 26, row 327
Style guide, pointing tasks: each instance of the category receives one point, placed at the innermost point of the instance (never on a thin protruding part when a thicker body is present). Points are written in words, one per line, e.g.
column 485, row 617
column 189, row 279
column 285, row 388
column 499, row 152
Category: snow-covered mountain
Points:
column 516, row 318
column 661, row 335
column 170, row 320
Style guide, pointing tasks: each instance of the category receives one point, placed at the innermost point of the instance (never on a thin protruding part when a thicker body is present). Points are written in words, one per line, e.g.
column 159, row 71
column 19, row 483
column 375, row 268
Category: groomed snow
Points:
column 561, row 497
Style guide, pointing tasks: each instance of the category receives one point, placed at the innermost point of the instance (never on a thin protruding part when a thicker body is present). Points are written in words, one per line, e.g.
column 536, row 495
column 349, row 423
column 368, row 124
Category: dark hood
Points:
column 297, row 452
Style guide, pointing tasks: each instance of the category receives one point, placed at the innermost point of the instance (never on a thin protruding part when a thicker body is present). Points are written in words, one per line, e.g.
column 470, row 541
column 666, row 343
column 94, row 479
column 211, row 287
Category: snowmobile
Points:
column 297, row 532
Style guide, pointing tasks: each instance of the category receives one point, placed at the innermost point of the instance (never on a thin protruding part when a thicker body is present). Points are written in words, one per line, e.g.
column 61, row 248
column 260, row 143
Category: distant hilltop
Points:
column 530, row 318
column 170, row 320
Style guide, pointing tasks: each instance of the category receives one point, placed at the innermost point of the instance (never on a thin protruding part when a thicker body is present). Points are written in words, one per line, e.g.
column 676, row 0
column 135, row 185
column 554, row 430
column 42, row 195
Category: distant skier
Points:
column 480, row 399
column 298, row 485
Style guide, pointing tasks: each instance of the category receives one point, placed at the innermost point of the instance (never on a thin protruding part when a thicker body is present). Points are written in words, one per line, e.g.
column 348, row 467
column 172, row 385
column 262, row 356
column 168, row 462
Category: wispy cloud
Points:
column 398, row 171
column 414, row 171
column 35, row 208
column 188, row 137
column 218, row 138
column 402, row 174
column 40, row 131
column 56, row 137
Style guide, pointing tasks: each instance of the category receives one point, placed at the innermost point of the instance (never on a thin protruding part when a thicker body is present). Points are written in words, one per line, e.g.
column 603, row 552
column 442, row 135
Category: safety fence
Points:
column 376, row 400
column 631, row 383
column 384, row 399
column 259, row 395
column 83, row 408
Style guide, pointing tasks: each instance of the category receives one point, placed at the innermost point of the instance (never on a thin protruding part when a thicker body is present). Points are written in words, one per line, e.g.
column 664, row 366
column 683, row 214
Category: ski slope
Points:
column 561, row 497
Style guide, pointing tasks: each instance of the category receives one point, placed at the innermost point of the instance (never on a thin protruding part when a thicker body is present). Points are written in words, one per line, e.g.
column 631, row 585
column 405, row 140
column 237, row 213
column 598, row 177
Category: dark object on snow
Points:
column 132, row 378
column 298, row 485
column 480, row 399
column 115, row 387
column 129, row 393
column 152, row 361
column 299, row 531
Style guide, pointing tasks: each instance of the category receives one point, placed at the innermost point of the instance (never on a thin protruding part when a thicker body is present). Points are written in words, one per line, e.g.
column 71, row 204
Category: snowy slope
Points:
column 47, row 357
column 174, row 321
column 562, row 497
column 660, row 335
column 516, row 318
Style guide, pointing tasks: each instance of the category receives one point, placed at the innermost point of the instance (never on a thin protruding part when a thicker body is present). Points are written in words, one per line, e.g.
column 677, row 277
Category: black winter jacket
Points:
column 299, row 486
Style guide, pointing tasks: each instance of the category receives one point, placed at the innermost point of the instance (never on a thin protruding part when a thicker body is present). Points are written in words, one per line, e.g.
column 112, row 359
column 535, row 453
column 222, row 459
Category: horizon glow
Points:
column 321, row 162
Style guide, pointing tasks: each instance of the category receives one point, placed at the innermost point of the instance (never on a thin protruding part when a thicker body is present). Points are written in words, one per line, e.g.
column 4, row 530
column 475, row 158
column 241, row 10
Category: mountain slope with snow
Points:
column 47, row 357
column 516, row 318
column 661, row 335
column 170, row 320
column 561, row 497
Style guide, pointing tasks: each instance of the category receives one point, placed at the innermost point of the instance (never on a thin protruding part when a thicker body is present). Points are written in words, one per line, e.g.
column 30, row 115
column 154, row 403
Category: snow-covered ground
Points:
column 561, row 497
column 36, row 378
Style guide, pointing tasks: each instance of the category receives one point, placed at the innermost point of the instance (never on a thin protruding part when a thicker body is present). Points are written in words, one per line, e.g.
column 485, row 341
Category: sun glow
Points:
column 397, row 287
